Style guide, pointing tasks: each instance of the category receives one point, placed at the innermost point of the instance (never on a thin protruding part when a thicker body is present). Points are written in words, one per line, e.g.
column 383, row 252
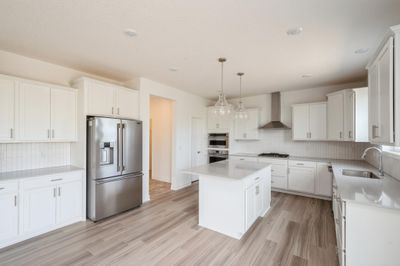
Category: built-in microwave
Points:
column 217, row 155
column 218, row 140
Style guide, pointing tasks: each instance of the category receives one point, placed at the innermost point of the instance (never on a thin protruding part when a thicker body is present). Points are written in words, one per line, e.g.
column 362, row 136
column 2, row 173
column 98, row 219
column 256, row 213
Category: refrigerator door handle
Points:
column 118, row 146
column 122, row 147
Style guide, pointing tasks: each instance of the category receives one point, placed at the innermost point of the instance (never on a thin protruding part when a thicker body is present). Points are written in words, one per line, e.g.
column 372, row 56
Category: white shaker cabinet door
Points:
column 300, row 125
column 323, row 180
column 34, row 112
column 335, row 116
column 70, row 202
column 39, row 209
column 127, row 105
column 349, row 115
column 7, row 109
column 101, row 99
column 63, row 115
column 317, row 118
column 9, row 216
column 301, row 179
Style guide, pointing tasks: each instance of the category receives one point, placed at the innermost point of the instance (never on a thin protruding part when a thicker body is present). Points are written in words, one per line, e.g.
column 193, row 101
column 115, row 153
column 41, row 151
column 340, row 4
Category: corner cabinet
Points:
column 105, row 99
column 309, row 121
column 384, row 89
column 247, row 129
column 36, row 205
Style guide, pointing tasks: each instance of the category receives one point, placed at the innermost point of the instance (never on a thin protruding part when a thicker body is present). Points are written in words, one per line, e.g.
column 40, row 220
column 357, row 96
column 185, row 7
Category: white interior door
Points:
column 63, row 115
column 317, row 118
column 7, row 111
column 198, row 153
column 34, row 112
column 300, row 122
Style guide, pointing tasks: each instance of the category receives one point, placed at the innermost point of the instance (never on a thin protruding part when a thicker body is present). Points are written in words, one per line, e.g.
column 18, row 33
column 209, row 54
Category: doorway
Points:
column 160, row 161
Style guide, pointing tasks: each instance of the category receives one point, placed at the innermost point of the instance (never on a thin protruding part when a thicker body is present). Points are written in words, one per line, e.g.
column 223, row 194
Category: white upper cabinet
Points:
column 217, row 123
column 384, row 91
column 127, row 103
column 100, row 99
column 34, row 112
column 104, row 99
column 7, row 109
column 348, row 114
column 335, row 116
column 63, row 114
column 247, row 129
column 309, row 121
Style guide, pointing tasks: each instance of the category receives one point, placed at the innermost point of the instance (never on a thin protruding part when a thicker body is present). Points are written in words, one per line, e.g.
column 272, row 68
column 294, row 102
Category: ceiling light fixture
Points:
column 294, row 31
column 361, row 51
column 222, row 107
column 130, row 32
column 173, row 69
column 241, row 112
column 305, row 76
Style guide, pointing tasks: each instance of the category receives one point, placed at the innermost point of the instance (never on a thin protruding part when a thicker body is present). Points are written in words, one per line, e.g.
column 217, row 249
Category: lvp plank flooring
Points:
column 158, row 188
column 296, row 231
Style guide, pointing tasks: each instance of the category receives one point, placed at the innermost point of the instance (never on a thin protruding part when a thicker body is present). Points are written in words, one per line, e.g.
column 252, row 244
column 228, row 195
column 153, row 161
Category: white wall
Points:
column 161, row 118
column 186, row 106
column 281, row 140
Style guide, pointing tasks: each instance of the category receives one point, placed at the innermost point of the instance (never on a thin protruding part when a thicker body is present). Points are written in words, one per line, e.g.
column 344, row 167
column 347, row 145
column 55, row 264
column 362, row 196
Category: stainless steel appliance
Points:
column 114, row 166
column 218, row 140
column 217, row 155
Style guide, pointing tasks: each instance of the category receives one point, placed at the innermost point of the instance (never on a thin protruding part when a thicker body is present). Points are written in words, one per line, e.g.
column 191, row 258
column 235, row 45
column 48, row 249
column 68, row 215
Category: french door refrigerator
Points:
column 114, row 166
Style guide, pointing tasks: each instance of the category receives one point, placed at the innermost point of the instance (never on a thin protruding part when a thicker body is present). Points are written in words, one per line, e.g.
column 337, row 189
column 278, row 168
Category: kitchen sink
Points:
column 359, row 173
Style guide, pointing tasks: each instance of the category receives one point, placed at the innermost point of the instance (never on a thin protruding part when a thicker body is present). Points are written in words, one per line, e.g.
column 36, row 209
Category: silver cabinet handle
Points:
column 59, row 191
column 15, row 200
column 54, row 192
column 350, row 135
column 48, row 133
column 256, row 178
column 341, row 134
column 310, row 135
column 374, row 130
column 52, row 133
column 299, row 163
column 112, row 110
column 257, row 190
column 11, row 133
column 57, row 179
column 1, row 188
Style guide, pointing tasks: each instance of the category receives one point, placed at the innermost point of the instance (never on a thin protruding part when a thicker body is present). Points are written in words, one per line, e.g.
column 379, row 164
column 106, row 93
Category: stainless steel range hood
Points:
column 275, row 113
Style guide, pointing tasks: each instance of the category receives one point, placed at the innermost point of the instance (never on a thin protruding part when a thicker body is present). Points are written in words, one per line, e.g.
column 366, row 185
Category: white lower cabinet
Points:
column 9, row 207
column 323, row 181
column 279, row 170
column 48, row 202
column 301, row 176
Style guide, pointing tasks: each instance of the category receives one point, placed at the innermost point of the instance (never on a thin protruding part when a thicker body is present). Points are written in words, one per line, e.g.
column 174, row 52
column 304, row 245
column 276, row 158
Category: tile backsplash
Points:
column 23, row 156
column 281, row 141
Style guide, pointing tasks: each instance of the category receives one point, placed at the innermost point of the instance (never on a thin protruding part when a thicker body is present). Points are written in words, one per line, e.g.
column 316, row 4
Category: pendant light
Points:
column 222, row 107
column 241, row 112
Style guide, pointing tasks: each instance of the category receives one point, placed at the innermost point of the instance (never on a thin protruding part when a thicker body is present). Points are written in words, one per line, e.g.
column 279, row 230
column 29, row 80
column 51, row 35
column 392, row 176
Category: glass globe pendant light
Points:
column 222, row 107
column 241, row 112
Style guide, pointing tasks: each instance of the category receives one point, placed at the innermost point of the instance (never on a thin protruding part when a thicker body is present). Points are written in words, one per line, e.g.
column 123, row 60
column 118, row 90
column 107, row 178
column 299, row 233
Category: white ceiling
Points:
column 191, row 35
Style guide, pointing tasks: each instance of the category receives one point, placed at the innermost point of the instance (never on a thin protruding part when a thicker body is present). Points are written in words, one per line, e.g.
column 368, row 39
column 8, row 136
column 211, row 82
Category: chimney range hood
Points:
column 275, row 113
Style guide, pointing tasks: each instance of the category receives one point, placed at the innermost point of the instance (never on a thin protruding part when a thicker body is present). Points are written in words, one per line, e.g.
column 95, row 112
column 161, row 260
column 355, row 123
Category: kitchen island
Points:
column 232, row 195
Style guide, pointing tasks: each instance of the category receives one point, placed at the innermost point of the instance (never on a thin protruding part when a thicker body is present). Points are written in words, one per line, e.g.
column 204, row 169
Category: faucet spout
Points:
column 381, row 172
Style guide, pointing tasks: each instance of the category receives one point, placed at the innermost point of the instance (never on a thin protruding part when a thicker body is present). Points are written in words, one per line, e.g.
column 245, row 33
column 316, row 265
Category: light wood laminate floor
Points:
column 296, row 231
column 158, row 188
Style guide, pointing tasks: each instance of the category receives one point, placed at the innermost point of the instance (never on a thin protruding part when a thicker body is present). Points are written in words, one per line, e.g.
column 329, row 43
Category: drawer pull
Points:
column 15, row 200
column 54, row 192
column 256, row 178
column 1, row 188
column 299, row 163
column 57, row 179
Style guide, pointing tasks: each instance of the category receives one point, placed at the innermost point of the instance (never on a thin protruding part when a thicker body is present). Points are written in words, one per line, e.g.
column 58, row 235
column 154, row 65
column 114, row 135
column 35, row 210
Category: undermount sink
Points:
column 359, row 173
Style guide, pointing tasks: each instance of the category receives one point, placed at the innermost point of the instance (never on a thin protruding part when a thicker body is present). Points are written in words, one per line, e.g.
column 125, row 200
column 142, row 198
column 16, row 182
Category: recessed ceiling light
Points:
column 173, row 69
column 130, row 32
column 294, row 31
column 361, row 51
column 306, row 76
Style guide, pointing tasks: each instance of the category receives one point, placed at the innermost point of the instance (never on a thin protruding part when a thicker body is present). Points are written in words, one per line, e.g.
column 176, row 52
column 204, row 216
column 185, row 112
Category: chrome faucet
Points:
column 380, row 158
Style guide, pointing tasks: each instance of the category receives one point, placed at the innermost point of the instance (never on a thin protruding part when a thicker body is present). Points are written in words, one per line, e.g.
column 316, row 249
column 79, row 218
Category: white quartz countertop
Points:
column 231, row 169
column 297, row 158
column 383, row 192
column 37, row 172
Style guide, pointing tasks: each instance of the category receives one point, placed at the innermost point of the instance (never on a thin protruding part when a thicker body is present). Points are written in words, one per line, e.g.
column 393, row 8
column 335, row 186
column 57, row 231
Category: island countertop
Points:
column 231, row 169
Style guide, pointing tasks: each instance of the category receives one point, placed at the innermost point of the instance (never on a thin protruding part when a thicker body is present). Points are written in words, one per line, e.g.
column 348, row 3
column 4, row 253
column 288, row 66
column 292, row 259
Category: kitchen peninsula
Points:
column 232, row 195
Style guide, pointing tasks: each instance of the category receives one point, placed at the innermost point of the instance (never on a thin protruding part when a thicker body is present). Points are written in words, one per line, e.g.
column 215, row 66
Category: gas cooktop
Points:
column 273, row 154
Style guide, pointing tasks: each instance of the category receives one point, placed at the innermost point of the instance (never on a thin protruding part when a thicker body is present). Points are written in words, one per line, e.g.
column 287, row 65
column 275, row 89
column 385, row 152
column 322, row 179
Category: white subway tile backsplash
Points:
column 22, row 156
column 281, row 141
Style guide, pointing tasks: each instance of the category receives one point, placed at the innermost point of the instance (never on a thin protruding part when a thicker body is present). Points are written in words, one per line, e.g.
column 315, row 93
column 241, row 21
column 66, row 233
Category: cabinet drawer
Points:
column 273, row 161
column 279, row 170
column 49, row 180
column 279, row 182
column 254, row 179
column 302, row 163
column 8, row 187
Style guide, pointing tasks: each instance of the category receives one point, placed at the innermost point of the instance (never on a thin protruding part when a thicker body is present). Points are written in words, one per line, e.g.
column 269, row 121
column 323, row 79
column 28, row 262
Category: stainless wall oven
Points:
column 217, row 155
column 218, row 140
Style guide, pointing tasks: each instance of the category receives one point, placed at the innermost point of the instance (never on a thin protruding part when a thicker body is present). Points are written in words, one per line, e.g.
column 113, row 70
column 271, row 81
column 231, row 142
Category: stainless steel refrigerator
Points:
column 114, row 166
